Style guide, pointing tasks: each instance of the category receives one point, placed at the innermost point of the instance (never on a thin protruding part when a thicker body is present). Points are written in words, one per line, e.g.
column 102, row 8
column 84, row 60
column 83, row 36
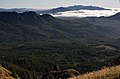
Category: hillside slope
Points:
column 106, row 73
column 30, row 60
column 110, row 25
column 29, row 26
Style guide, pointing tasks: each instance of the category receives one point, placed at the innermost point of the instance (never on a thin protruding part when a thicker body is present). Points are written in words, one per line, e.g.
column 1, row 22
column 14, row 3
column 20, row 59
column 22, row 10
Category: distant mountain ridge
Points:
column 19, row 10
column 72, row 8
column 55, row 10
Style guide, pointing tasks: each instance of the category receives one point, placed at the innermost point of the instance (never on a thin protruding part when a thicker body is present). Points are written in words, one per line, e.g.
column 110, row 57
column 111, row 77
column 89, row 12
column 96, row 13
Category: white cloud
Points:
column 87, row 13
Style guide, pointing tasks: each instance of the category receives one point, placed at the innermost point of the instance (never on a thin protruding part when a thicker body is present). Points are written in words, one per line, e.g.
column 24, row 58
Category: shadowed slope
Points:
column 29, row 26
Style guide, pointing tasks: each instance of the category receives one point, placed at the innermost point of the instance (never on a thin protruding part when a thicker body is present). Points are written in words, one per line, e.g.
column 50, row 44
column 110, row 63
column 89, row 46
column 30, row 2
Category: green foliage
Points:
column 33, row 59
column 30, row 44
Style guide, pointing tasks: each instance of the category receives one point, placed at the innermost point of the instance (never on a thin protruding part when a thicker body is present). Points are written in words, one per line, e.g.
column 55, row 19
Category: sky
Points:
column 45, row 4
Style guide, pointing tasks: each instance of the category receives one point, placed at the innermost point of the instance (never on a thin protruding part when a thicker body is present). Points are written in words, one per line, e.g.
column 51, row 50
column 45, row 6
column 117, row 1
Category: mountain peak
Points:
column 28, row 17
column 29, row 12
column 47, row 16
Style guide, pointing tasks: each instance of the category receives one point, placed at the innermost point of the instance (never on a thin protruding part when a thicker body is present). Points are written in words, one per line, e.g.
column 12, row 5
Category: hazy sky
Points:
column 41, row 4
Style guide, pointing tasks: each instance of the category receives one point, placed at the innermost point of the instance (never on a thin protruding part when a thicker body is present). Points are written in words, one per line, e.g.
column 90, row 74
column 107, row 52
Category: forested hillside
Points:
column 34, row 59
column 29, row 26
column 31, row 44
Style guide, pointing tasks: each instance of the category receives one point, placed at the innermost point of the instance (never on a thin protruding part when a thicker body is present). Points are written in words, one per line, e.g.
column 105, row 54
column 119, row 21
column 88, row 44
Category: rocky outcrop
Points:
column 70, row 72
column 63, row 74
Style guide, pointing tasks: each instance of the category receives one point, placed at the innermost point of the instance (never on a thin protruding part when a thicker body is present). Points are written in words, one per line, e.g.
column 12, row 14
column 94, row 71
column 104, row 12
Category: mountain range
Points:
column 19, row 10
column 54, row 10
column 71, row 8
column 70, row 11
column 29, row 26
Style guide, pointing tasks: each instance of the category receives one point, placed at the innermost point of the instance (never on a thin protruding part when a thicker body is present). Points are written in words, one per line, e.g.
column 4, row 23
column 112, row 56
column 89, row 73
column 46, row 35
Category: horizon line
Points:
column 53, row 7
